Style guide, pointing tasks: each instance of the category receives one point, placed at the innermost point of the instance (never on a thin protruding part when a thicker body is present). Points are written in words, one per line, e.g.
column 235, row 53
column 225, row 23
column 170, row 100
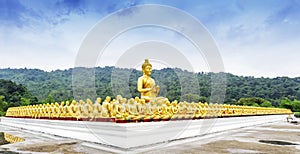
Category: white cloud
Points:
column 255, row 38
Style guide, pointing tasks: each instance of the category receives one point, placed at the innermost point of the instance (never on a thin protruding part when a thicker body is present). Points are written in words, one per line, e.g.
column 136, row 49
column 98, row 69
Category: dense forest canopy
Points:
column 12, row 94
column 175, row 84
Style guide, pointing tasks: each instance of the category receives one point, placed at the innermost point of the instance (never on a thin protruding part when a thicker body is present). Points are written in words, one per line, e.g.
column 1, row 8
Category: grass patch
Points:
column 297, row 114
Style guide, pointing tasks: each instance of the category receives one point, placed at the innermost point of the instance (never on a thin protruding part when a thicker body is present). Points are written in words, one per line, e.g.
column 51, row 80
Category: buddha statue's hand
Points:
column 155, row 90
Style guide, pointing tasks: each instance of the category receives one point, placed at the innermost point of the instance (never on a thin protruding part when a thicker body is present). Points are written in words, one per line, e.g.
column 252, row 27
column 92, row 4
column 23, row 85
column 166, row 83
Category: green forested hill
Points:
column 57, row 85
column 12, row 94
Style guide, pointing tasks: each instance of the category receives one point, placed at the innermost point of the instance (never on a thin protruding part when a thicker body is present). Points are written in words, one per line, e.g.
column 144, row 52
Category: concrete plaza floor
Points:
column 256, row 139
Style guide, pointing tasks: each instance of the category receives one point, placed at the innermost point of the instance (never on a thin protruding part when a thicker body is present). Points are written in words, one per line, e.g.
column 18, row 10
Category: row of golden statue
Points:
column 146, row 108
column 12, row 139
column 135, row 109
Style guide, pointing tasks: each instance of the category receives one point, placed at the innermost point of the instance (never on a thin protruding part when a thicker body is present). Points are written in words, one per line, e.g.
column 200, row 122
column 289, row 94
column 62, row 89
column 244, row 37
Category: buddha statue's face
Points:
column 148, row 70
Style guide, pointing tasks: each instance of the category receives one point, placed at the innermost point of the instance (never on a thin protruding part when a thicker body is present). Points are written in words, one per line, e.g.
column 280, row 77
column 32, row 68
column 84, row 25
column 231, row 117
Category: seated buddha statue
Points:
column 97, row 108
column 66, row 111
column 40, row 111
column 105, row 111
column 61, row 109
column 182, row 110
column 73, row 108
column 113, row 105
column 90, row 107
column 36, row 111
column 52, row 110
column 121, row 110
column 142, row 108
column 204, row 109
column 198, row 113
column 210, row 110
column 146, row 85
column 174, row 109
column 132, row 110
column 191, row 110
column 79, row 110
column 48, row 111
column 84, row 110
column 148, row 111
column 155, row 109
column 166, row 110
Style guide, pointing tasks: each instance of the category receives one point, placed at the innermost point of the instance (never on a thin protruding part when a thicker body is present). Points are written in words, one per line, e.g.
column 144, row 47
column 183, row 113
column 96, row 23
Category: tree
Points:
column 266, row 104
column 190, row 98
column 286, row 103
column 59, row 84
column 25, row 101
column 12, row 94
column 49, row 100
column 254, row 101
column 296, row 105
column 3, row 105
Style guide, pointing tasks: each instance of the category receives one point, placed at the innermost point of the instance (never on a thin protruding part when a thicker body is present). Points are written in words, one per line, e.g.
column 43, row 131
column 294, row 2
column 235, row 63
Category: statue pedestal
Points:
column 137, row 135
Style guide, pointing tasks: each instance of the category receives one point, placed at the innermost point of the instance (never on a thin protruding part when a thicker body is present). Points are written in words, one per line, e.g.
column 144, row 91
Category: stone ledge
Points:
column 134, row 135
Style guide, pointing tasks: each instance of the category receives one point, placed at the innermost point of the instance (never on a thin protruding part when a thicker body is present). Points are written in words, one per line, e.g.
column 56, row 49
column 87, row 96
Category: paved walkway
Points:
column 257, row 139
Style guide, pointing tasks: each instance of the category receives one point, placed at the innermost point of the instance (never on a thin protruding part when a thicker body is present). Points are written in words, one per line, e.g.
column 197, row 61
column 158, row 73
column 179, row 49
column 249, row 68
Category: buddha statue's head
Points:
column 142, row 101
column 98, row 100
column 88, row 101
column 147, row 68
column 137, row 99
column 131, row 101
column 107, row 99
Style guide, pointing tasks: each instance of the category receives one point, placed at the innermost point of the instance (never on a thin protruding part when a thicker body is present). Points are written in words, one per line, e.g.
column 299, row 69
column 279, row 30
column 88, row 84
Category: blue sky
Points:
column 254, row 37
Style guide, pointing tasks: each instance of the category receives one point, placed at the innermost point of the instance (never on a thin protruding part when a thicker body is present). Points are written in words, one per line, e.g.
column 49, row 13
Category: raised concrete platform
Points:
column 137, row 135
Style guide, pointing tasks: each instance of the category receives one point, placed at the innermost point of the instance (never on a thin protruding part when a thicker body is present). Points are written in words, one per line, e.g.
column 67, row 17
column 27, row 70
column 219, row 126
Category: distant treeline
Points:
column 176, row 84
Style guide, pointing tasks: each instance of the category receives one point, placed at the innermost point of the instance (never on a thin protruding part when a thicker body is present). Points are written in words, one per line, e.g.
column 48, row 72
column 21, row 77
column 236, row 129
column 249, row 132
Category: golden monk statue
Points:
column 146, row 85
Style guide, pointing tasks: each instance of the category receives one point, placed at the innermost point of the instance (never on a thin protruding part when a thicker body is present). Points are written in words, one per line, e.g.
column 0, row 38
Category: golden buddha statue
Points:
column 52, row 110
column 40, row 111
column 56, row 113
column 105, row 111
column 90, row 107
column 192, row 109
column 67, row 113
column 198, row 113
column 182, row 110
column 142, row 108
column 132, row 110
column 79, row 109
column 204, row 109
column 146, row 85
column 61, row 109
column 121, row 110
column 166, row 110
column 174, row 109
column 113, row 105
column 73, row 108
column 97, row 108
column 48, row 111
